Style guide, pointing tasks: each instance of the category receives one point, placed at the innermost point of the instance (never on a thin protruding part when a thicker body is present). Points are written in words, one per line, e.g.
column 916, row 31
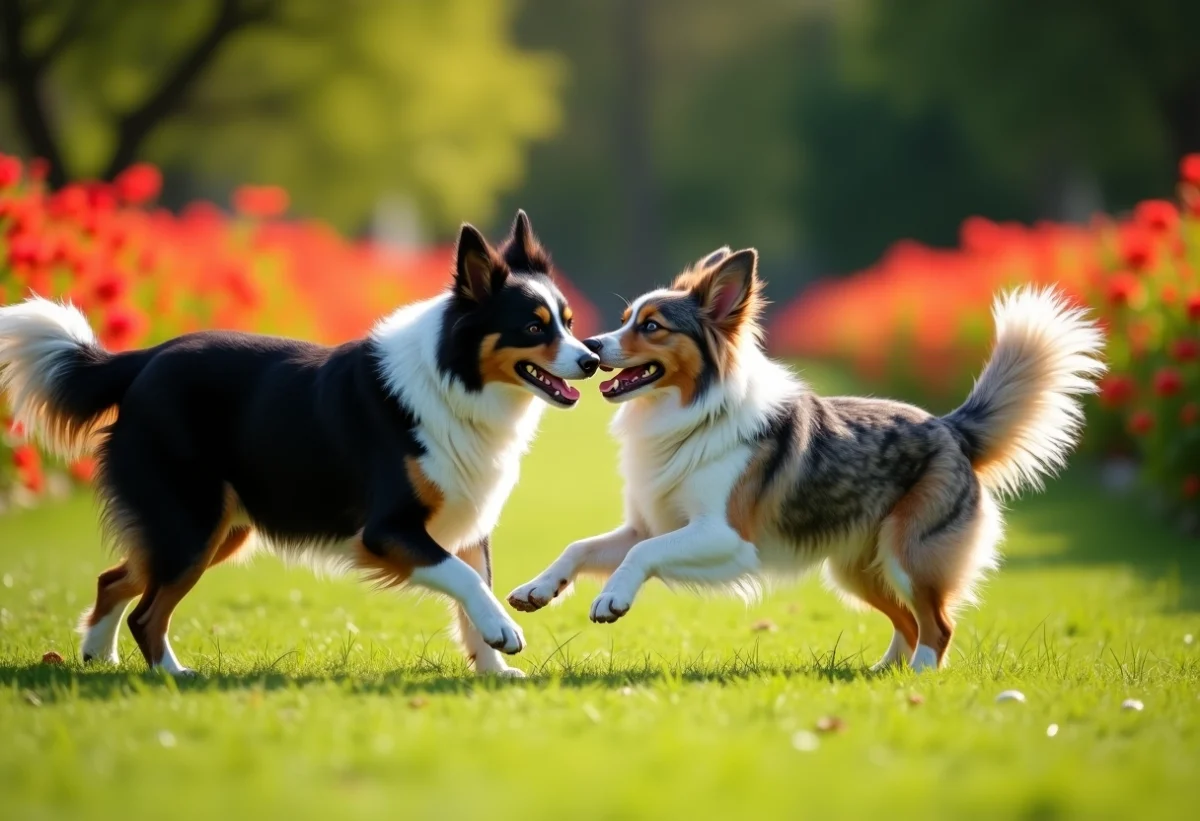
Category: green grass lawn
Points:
column 319, row 698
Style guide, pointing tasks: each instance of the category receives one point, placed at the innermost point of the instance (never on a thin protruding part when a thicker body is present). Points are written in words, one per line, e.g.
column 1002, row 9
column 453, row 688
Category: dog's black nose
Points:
column 589, row 363
column 593, row 344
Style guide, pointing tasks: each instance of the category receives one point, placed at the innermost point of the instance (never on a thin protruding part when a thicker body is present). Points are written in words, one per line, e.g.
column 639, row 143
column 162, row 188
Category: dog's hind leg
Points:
column 487, row 660
column 120, row 585
column 865, row 583
column 115, row 589
column 935, row 546
column 197, row 543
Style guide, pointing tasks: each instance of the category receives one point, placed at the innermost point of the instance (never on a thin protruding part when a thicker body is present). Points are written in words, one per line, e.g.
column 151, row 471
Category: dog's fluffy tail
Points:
column 61, row 384
column 1023, row 417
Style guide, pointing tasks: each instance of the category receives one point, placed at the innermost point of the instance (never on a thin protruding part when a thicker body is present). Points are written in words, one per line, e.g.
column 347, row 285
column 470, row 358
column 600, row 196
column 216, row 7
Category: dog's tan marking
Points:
column 115, row 586
column 428, row 494
column 543, row 313
column 151, row 619
column 500, row 364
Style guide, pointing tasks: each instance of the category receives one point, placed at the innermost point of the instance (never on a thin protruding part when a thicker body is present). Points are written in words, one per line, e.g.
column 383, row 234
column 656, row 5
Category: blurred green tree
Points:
column 340, row 102
column 1045, row 88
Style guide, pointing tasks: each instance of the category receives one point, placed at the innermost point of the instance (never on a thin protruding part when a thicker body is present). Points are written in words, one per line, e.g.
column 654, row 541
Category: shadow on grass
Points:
column 1099, row 527
column 53, row 683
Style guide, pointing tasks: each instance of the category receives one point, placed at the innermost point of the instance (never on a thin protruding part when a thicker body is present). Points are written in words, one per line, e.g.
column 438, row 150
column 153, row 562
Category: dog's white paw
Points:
column 924, row 659
column 503, row 672
column 536, row 594
column 501, row 633
column 898, row 654
column 610, row 606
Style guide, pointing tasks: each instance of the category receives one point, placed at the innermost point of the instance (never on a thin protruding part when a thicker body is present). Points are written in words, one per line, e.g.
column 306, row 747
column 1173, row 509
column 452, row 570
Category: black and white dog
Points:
column 393, row 454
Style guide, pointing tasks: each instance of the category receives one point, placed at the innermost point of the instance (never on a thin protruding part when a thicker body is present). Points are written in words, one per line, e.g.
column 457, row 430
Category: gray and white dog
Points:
column 736, row 471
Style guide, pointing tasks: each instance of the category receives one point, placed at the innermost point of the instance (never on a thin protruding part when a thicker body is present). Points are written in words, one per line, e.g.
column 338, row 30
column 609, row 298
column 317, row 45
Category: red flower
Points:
column 138, row 184
column 1159, row 216
column 10, row 171
column 34, row 479
column 28, row 249
column 109, row 287
column 1170, row 294
column 1191, row 486
column 71, row 202
column 1137, row 247
column 25, row 457
column 260, row 201
column 1126, row 289
column 1189, row 169
column 101, row 197
column 1186, row 350
column 119, row 328
column 1116, row 390
column 1193, row 307
column 1141, row 422
column 1189, row 414
column 1167, row 382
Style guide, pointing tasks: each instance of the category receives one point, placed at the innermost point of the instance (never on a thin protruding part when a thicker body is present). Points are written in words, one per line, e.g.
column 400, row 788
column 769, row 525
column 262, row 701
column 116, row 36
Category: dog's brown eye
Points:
column 570, row 323
column 534, row 329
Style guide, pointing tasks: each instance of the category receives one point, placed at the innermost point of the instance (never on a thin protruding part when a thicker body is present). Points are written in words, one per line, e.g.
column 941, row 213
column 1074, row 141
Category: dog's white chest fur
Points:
column 473, row 440
column 474, row 490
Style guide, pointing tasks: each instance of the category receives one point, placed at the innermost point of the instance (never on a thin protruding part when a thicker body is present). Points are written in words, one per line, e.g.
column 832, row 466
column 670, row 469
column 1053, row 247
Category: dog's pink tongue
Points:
column 566, row 390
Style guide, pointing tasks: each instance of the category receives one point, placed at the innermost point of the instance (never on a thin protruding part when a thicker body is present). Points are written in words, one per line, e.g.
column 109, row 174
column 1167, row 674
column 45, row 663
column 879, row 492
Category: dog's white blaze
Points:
column 570, row 349
column 100, row 639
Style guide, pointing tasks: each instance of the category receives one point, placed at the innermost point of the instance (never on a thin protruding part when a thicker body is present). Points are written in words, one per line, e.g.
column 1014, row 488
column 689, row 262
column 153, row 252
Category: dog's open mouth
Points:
column 631, row 379
column 556, row 389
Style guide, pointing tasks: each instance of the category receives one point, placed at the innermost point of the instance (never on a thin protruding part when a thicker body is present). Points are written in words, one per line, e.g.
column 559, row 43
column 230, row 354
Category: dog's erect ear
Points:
column 522, row 231
column 522, row 251
column 478, row 271
column 715, row 257
column 729, row 292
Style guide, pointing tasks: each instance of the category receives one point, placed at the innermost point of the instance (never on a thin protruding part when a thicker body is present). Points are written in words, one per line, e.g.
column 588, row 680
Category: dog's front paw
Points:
column 491, row 664
column 610, row 606
column 501, row 633
column 537, row 594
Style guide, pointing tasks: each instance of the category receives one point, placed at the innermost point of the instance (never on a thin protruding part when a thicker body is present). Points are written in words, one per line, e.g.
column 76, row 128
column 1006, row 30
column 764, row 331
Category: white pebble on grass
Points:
column 1011, row 695
column 166, row 738
column 1132, row 704
column 1052, row 731
column 806, row 741
column 1188, row 638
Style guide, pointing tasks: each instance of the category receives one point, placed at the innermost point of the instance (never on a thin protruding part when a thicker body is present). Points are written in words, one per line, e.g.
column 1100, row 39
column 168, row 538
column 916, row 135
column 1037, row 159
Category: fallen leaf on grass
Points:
column 830, row 724
column 417, row 702
column 916, row 699
column 52, row 658
column 764, row 626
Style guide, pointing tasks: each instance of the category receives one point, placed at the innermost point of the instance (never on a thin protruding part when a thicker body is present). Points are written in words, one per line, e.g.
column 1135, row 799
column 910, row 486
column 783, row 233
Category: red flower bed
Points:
column 143, row 274
column 918, row 322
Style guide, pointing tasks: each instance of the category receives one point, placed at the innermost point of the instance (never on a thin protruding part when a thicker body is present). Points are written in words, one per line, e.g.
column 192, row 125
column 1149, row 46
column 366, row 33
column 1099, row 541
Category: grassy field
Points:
column 321, row 699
